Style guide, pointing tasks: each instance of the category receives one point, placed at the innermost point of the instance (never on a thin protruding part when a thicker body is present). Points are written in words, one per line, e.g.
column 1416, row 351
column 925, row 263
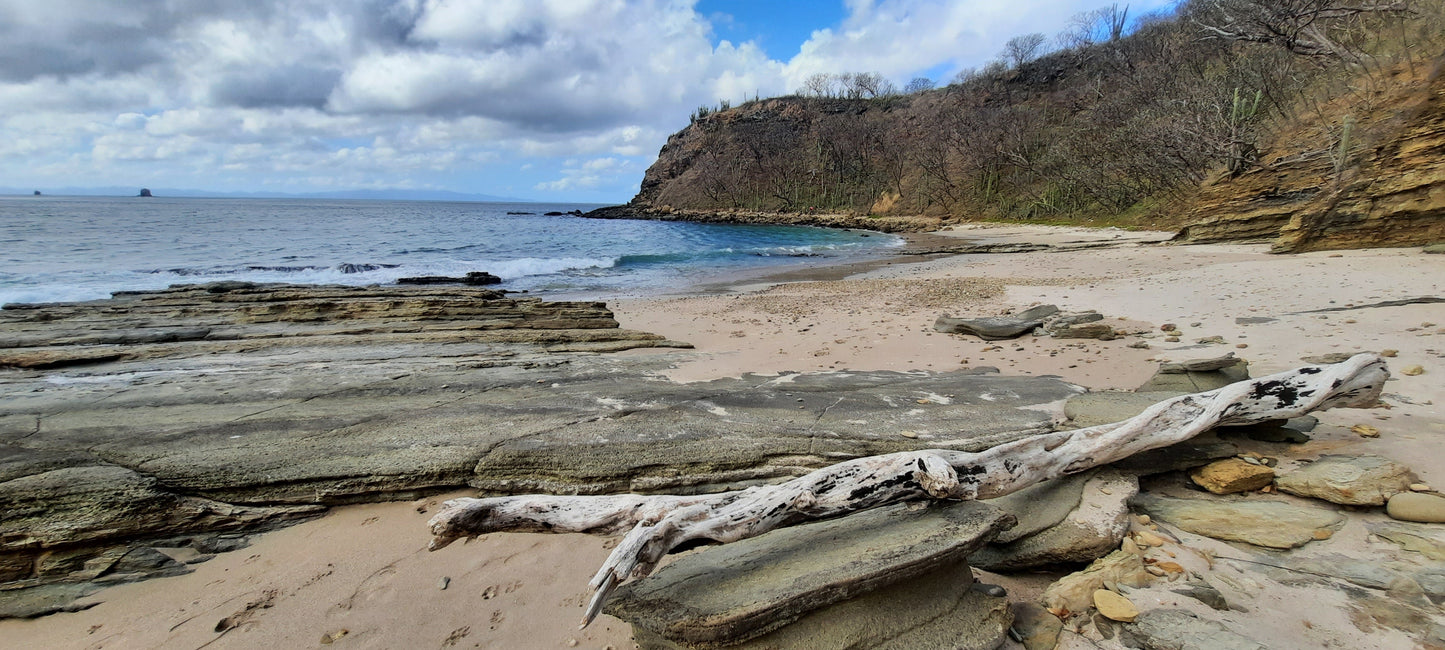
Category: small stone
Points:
column 1168, row 327
column 1170, row 567
column 1035, row 627
column 1232, row 475
column 1241, row 345
column 1154, row 570
column 1389, row 352
column 1146, row 538
column 1196, row 324
column 443, row 583
column 332, row 637
column 1130, row 546
column 1419, row 487
column 1411, row 371
column 1143, row 519
column 1171, row 339
column 1210, row 340
column 1115, row 607
column 1323, row 533
column 908, row 434
column 1417, row 506
column 1365, row 431
column 1139, row 345
column 571, row 643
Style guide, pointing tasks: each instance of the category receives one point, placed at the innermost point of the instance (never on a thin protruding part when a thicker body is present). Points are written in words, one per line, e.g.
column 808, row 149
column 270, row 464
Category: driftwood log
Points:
column 657, row 524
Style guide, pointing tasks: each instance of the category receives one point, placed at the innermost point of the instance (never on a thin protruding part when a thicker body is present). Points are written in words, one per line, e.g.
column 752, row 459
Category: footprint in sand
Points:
column 370, row 586
column 456, row 636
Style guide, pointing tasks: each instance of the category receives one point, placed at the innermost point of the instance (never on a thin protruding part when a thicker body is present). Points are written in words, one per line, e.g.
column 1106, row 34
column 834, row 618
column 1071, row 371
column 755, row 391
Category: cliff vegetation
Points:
column 1261, row 117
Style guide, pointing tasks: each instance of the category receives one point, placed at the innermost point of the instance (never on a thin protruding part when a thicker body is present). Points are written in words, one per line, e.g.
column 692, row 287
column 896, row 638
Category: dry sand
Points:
column 364, row 569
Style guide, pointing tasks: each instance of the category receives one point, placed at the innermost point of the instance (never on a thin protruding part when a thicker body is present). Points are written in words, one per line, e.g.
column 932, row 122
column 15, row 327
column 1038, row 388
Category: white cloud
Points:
column 225, row 95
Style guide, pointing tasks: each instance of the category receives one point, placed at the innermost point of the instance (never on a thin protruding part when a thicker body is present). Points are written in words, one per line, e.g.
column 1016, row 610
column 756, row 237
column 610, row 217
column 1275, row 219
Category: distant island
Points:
column 144, row 192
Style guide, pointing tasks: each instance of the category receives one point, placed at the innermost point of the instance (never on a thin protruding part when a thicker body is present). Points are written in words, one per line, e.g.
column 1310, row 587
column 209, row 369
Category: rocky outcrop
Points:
column 1393, row 193
column 192, row 320
column 166, row 418
column 642, row 209
column 892, row 577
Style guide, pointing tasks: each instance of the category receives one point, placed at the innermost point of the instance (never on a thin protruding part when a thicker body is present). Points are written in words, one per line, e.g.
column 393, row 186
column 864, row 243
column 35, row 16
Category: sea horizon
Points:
column 68, row 249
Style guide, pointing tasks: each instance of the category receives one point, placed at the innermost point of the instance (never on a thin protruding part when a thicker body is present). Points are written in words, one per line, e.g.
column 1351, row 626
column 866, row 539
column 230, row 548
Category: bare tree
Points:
column 1105, row 24
column 918, row 85
column 818, row 85
column 1301, row 26
column 1022, row 49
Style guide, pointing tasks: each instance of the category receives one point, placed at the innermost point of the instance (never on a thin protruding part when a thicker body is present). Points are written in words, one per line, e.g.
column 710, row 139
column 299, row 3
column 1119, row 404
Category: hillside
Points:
column 1328, row 138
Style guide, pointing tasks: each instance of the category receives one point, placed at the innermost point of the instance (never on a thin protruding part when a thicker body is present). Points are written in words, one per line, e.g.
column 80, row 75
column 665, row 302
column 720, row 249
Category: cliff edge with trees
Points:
column 1310, row 123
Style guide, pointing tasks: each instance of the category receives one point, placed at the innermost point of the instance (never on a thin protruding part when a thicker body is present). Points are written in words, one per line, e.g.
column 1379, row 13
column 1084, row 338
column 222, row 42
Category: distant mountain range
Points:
column 374, row 195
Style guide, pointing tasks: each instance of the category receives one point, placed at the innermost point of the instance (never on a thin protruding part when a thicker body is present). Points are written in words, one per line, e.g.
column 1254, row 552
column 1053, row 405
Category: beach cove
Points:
column 383, row 411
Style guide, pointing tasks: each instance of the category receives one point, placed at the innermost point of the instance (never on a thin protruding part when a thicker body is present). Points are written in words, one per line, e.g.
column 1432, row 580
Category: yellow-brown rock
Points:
column 1115, row 607
column 1391, row 192
column 1232, row 475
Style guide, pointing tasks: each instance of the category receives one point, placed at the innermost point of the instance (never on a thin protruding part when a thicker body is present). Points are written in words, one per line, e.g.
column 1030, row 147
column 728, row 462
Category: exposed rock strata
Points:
column 1394, row 195
column 297, row 399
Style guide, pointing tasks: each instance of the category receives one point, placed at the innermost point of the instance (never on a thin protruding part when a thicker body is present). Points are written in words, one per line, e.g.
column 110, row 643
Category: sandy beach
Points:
column 360, row 575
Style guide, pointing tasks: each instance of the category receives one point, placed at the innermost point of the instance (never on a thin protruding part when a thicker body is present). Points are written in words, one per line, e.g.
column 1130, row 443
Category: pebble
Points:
column 1365, row 431
column 1417, row 506
column 1146, row 538
column 443, row 583
column 1419, row 487
column 1143, row 519
column 1171, row 339
column 1168, row 327
column 1411, row 371
column 1241, row 345
column 1389, row 352
column 908, row 434
column 1115, row 607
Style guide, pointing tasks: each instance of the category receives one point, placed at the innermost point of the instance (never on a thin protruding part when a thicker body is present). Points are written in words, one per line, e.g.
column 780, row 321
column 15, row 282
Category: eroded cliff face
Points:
column 1391, row 193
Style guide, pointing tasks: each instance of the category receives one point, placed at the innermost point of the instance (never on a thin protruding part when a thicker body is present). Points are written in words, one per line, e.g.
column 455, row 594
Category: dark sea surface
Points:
column 82, row 248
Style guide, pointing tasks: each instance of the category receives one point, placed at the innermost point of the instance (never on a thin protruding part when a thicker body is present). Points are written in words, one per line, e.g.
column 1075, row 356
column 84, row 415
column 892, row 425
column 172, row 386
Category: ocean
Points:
column 58, row 249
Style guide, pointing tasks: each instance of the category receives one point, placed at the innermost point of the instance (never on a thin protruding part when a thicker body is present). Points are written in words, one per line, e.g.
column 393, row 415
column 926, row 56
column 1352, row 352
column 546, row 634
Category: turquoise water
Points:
column 82, row 248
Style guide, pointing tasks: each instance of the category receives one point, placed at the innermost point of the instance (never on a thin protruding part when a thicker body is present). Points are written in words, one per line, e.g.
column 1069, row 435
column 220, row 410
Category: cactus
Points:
column 1342, row 153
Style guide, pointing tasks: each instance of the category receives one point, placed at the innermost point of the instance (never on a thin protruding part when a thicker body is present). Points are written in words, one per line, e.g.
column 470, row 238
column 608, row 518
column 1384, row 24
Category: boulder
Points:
column 1428, row 541
column 1114, row 606
column 1198, row 375
column 1177, row 629
column 1258, row 520
column 1035, row 627
column 1100, row 331
column 1366, row 480
column 1435, row 249
column 1417, row 506
column 1089, row 409
column 1232, row 475
column 1075, row 592
column 1091, row 530
column 741, row 591
column 997, row 327
column 472, row 278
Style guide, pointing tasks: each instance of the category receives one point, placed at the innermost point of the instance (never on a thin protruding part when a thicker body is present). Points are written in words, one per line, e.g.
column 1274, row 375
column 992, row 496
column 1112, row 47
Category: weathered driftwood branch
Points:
column 656, row 525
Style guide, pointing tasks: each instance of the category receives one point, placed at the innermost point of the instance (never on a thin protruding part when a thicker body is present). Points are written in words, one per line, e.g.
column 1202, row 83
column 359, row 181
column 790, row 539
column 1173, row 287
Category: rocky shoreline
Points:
column 888, row 224
column 153, row 433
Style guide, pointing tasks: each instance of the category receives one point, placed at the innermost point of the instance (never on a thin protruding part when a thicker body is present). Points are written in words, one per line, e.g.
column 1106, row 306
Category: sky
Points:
column 555, row 100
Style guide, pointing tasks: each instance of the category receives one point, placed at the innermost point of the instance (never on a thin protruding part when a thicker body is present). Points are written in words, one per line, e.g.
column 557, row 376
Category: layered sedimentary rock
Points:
column 1392, row 192
column 163, row 419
